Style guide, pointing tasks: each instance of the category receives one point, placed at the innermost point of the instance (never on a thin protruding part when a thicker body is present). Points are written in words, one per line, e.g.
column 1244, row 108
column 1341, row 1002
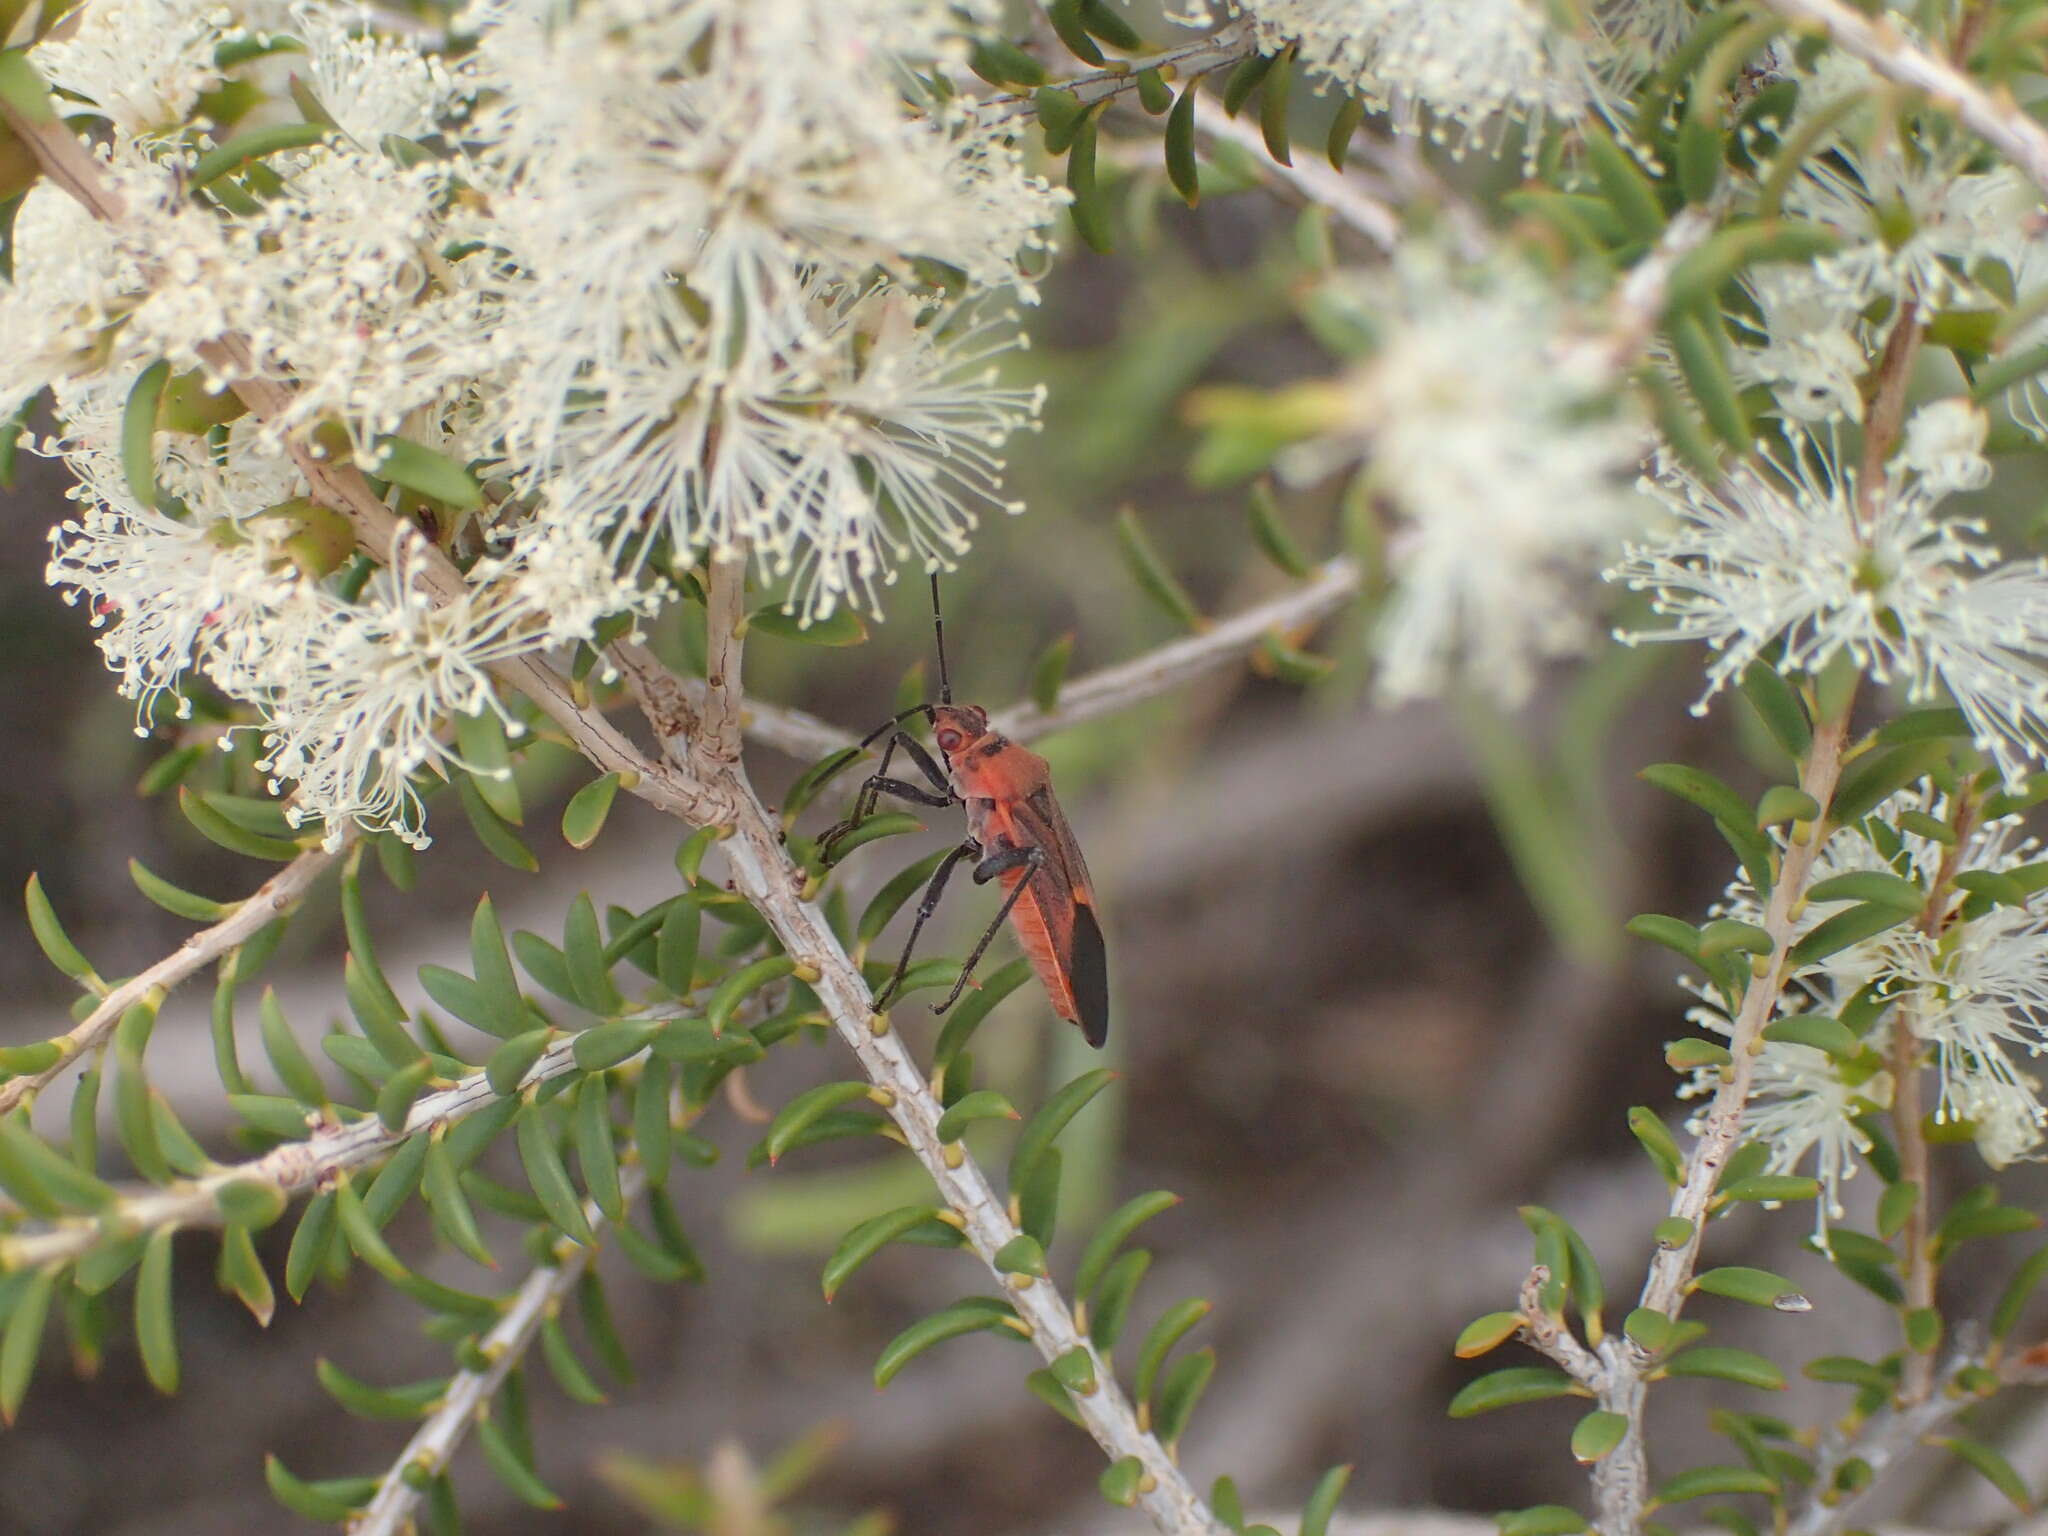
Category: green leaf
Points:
column 513, row 1464
column 1152, row 574
column 1923, row 1330
column 1701, row 1482
column 1059, row 114
column 395, row 1098
column 1273, row 103
column 1114, row 1232
column 1783, row 803
column 156, row 1333
column 1847, row 1370
column 1596, row 1434
column 432, row 475
column 971, row 1010
column 1044, row 1127
column 1772, row 1186
column 547, row 1176
column 1725, row 935
column 1657, row 1140
column 1065, row 16
column 1172, row 1326
column 1120, row 1479
column 1895, row 1206
column 742, row 984
column 1992, row 1467
column 1540, row 1520
column 1871, row 885
column 1730, row 812
column 569, row 1372
column 138, row 433
column 309, row 1245
column 1624, row 185
column 453, row 1218
column 1724, row 1364
column 1485, row 1334
column 1021, row 1255
column 1322, row 1503
column 1650, row 1329
column 1085, row 205
column 1700, row 348
column 1049, row 671
column 869, row 1238
column 1845, row 928
column 1820, row 1034
column 982, row 1104
column 492, row 830
column 1691, row 1054
column 1506, row 1388
column 239, row 151
column 1673, row 933
column 386, row 1404
column 331, row 1503
column 1111, row 1303
column 804, row 1110
column 597, row 1152
column 1778, row 705
column 1245, row 79
column 216, row 827
column 1758, row 1287
column 974, row 1314
column 23, row 1341
column 1181, row 168
column 2012, row 1301
column 1038, row 1197
column 1271, row 535
column 842, row 627
column 583, row 947
column 55, row 944
column 1877, row 776
column 607, row 1045
column 1183, row 1388
column 509, row 1063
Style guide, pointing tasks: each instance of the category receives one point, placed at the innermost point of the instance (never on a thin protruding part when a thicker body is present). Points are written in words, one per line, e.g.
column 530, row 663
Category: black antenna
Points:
column 939, row 631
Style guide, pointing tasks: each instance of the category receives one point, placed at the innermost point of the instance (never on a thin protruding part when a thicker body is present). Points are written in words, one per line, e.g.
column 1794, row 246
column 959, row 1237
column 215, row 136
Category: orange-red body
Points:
column 1010, row 805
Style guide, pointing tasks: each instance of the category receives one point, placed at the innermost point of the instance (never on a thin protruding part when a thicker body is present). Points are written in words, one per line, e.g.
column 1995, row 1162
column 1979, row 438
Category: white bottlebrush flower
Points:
column 372, row 84
column 1809, row 352
column 142, row 65
column 359, row 697
column 1466, row 70
column 1978, row 995
column 1801, row 1103
column 876, row 442
column 1912, row 224
column 2027, row 398
column 1781, row 552
column 1507, row 462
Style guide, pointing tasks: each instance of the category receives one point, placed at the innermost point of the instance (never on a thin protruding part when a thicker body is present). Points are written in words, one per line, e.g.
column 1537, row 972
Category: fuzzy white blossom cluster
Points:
column 1505, row 458
column 1788, row 554
column 679, row 274
column 1971, row 983
column 1464, row 73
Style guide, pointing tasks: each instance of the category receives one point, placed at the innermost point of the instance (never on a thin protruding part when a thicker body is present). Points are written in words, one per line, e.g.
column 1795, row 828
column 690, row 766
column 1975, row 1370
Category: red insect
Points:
column 1018, row 837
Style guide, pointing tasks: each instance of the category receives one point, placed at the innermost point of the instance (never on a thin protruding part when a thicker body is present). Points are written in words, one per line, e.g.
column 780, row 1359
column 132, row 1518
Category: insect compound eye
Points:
column 949, row 740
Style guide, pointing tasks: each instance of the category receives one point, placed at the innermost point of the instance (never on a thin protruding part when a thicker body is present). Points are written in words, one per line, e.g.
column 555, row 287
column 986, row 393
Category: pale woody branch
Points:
column 469, row 1393
column 1991, row 114
column 1225, row 46
column 296, row 1167
column 269, row 901
column 1621, row 1478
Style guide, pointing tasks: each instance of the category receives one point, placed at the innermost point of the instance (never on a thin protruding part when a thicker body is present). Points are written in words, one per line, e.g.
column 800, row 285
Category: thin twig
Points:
column 1314, row 179
column 761, row 871
column 1621, row 1478
column 269, row 901
column 1115, row 688
column 294, row 1168
column 1992, row 115
column 469, row 1392
column 1636, row 308
column 1226, row 45
column 724, row 607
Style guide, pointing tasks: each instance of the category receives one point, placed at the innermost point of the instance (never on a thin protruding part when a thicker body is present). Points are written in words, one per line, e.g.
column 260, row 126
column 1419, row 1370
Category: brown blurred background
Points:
column 1349, row 1036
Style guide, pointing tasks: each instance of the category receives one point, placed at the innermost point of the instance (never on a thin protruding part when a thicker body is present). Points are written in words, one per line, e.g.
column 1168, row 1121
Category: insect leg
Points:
column 879, row 782
column 1030, row 860
column 932, row 894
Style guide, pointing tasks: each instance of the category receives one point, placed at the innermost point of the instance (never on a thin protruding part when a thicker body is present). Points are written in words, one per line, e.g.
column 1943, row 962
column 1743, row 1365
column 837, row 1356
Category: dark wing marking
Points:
column 1088, row 975
column 1065, row 893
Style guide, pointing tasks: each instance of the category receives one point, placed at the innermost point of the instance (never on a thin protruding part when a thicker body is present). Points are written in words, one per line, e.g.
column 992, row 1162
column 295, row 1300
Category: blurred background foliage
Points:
column 1371, row 995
